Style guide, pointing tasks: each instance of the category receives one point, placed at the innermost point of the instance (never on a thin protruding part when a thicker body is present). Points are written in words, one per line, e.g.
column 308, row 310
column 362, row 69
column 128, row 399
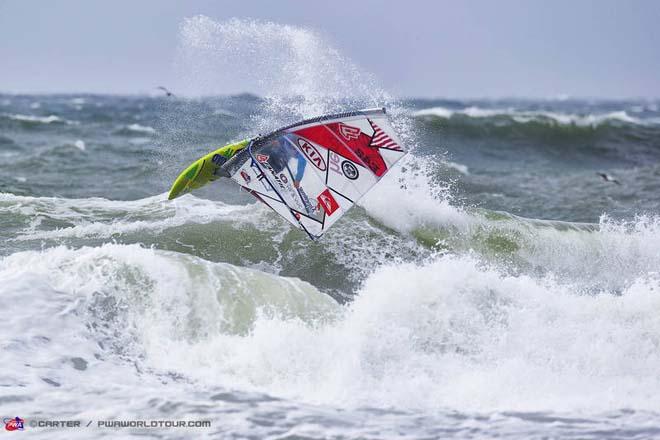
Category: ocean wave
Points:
column 6, row 141
column 590, row 257
column 249, row 234
column 461, row 331
column 80, row 144
column 141, row 128
column 461, row 168
column 136, row 129
column 538, row 116
column 419, row 202
column 102, row 218
column 235, row 288
column 113, row 299
column 452, row 332
column 586, row 255
column 52, row 119
column 593, row 256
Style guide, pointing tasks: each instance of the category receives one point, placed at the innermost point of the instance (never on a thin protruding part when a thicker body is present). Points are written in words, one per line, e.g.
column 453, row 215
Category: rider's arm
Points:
column 300, row 171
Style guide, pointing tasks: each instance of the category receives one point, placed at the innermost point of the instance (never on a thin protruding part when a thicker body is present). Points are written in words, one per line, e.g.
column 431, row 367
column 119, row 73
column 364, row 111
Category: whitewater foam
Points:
column 418, row 201
column 451, row 333
column 79, row 144
column 51, row 119
column 103, row 218
column 461, row 168
column 540, row 116
column 141, row 128
column 94, row 311
column 531, row 324
column 454, row 335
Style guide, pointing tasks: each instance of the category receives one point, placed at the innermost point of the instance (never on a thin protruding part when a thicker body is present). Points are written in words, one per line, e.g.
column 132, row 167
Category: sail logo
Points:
column 306, row 203
column 348, row 132
column 312, row 154
column 282, row 183
column 335, row 159
column 381, row 139
column 15, row 424
column 327, row 202
column 349, row 170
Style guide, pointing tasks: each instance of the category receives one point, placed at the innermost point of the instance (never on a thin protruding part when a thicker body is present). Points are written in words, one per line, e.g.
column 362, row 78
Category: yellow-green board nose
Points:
column 203, row 170
column 182, row 184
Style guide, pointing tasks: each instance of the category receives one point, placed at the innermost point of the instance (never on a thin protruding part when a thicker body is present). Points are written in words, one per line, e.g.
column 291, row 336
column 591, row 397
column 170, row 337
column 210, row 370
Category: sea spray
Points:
column 500, row 305
column 296, row 72
column 451, row 333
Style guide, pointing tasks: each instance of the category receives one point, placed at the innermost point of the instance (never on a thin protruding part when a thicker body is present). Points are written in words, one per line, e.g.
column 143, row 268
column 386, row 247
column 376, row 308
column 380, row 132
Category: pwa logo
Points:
column 312, row 154
column 15, row 424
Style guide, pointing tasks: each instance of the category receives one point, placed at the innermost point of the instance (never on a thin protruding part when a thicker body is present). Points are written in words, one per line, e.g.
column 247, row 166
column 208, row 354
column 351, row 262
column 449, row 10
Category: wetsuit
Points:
column 280, row 152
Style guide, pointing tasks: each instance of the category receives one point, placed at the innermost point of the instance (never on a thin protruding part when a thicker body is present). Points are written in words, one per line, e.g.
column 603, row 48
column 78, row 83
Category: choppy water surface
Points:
column 492, row 285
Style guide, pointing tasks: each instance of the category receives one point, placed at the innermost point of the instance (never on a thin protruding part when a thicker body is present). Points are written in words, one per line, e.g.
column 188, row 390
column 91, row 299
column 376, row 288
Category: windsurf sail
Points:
column 312, row 172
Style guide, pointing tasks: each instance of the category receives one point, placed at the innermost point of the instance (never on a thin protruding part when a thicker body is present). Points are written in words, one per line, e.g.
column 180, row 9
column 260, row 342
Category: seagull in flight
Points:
column 608, row 178
column 164, row 89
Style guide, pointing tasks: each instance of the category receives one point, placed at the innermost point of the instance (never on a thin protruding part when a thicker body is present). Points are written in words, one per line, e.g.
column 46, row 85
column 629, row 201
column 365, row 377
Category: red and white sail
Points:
column 345, row 155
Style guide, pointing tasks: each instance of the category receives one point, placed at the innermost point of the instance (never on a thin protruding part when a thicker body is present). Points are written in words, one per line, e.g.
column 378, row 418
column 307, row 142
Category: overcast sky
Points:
column 535, row 48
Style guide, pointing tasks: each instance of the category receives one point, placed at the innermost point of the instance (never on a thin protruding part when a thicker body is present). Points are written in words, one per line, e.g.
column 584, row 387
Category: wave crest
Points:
column 534, row 116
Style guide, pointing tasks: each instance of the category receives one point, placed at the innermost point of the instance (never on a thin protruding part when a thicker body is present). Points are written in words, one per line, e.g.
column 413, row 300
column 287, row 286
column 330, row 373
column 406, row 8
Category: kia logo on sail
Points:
column 312, row 154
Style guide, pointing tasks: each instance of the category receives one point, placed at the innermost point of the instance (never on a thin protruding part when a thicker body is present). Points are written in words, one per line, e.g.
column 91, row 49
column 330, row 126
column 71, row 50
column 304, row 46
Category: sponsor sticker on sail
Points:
column 327, row 202
column 349, row 132
column 312, row 154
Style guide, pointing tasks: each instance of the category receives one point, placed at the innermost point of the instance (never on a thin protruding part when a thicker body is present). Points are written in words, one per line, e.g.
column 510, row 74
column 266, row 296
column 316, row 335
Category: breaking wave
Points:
column 535, row 116
column 450, row 333
column 136, row 129
column 440, row 307
column 32, row 119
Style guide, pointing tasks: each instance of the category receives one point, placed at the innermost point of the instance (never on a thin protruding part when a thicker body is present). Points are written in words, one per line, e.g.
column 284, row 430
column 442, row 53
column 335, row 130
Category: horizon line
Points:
column 144, row 94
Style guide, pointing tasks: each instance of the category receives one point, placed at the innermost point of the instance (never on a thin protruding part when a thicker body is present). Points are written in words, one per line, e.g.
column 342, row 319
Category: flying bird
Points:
column 164, row 89
column 608, row 178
